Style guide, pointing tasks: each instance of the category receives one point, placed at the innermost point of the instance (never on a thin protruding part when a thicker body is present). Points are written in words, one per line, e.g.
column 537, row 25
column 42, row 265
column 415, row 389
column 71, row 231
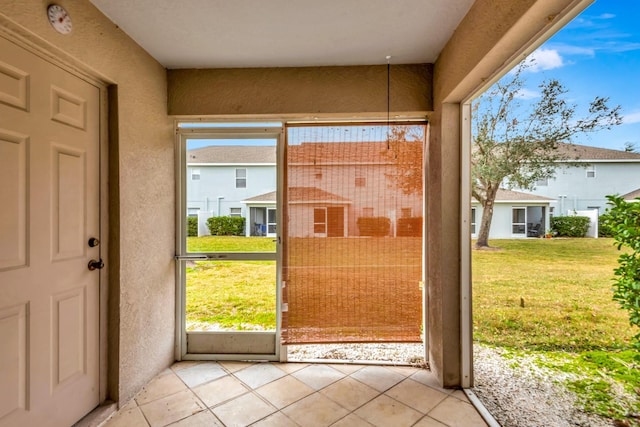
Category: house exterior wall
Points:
column 142, row 283
column 341, row 180
column 584, row 192
column 303, row 225
column 501, row 222
column 220, row 181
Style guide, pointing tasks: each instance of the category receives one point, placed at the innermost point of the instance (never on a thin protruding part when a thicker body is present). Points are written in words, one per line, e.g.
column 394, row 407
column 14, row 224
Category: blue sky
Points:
column 598, row 54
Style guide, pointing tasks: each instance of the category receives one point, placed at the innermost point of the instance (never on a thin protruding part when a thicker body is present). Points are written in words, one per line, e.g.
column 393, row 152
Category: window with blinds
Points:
column 352, row 259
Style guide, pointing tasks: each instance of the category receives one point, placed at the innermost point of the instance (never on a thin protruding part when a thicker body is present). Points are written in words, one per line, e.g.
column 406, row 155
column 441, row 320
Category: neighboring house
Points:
column 336, row 193
column 584, row 187
column 325, row 197
column 515, row 214
column 575, row 189
column 224, row 180
column 632, row 196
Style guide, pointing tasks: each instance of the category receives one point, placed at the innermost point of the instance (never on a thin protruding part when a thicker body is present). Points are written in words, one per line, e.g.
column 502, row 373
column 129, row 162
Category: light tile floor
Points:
column 194, row 394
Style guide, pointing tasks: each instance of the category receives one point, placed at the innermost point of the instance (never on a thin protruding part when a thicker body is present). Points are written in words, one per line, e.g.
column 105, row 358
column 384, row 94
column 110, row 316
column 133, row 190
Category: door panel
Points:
column 13, row 198
column 335, row 222
column 49, row 303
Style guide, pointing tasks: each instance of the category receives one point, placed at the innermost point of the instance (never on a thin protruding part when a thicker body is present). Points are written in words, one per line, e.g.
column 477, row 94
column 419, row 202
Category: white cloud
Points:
column 606, row 16
column 545, row 59
column 567, row 49
column 631, row 118
column 527, row 94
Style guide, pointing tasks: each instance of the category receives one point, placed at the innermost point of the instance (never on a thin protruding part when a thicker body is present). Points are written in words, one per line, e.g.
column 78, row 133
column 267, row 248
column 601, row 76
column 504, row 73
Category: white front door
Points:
column 49, row 211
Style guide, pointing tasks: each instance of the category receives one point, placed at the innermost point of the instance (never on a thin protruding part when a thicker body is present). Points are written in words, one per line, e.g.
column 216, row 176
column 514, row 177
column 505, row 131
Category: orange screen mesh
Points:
column 353, row 232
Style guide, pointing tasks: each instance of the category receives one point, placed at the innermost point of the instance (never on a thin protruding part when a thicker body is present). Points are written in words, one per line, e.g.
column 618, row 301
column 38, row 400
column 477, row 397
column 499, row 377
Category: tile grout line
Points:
column 206, row 407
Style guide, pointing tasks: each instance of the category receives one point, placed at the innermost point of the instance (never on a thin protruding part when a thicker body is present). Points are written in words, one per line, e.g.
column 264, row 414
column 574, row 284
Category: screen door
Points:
column 228, row 245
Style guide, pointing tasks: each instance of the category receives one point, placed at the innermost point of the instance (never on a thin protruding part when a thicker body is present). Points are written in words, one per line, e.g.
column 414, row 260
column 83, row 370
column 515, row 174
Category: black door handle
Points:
column 95, row 265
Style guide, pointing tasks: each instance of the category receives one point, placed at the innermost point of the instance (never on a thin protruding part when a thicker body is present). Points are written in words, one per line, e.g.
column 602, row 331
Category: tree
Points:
column 515, row 145
column 405, row 146
column 630, row 147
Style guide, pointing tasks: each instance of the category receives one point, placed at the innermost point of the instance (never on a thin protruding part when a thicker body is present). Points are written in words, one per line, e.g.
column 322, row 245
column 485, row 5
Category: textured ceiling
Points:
column 287, row 33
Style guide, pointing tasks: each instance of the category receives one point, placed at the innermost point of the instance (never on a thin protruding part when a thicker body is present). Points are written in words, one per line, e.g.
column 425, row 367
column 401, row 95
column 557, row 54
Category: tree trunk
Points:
column 485, row 222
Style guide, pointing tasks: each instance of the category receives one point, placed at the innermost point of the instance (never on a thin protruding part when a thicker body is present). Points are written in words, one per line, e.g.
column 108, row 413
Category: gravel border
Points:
column 526, row 396
column 411, row 354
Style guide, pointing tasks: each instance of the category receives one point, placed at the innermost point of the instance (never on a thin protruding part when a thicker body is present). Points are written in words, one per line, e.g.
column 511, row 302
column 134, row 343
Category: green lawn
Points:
column 565, row 285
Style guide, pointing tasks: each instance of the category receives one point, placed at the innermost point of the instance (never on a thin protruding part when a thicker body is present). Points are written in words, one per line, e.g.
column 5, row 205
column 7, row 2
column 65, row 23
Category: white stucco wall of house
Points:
column 574, row 190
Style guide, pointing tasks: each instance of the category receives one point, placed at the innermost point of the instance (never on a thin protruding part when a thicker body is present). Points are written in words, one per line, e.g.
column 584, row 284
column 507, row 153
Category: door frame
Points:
column 524, row 224
column 218, row 130
column 275, row 210
column 58, row 57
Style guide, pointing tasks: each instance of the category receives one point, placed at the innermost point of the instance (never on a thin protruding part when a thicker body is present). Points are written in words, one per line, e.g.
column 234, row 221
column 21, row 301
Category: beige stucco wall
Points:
column 307, row 91
column 142, row 207
column 493, row 35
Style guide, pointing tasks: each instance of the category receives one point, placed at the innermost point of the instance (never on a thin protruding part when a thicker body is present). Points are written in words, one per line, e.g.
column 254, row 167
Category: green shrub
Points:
column 377, row 226
column 192, row 226
column 570, row 226
column 410, row 227
column 604, row 229
column 226, row 225
column 624, row 221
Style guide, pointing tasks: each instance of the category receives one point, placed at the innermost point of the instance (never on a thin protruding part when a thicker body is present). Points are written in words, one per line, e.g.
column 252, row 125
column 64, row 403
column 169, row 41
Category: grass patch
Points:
column 232, row 295
column 565, row 285
column 569, row 323
column 237, row 295
column 230, row 244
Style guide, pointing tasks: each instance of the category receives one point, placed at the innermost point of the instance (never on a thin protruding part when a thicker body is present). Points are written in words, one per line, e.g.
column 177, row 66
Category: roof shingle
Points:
column 240, row 154
column 584, row 152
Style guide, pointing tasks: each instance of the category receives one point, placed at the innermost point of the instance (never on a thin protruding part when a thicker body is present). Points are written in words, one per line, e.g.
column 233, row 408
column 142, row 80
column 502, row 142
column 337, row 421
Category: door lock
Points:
column 95, row 265
column 93, row 242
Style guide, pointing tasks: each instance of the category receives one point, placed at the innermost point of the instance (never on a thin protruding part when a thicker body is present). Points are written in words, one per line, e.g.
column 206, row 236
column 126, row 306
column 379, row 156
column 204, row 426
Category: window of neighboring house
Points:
column 235, row 212
column 192, row 211
column 518, row 220
column 473, row 220
column 320, row 220
column 544, row 182
column 241, row 178
column 195, row 174
column 591, row 172
column 361, row 181
column 405, row 213
column 367, row 212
